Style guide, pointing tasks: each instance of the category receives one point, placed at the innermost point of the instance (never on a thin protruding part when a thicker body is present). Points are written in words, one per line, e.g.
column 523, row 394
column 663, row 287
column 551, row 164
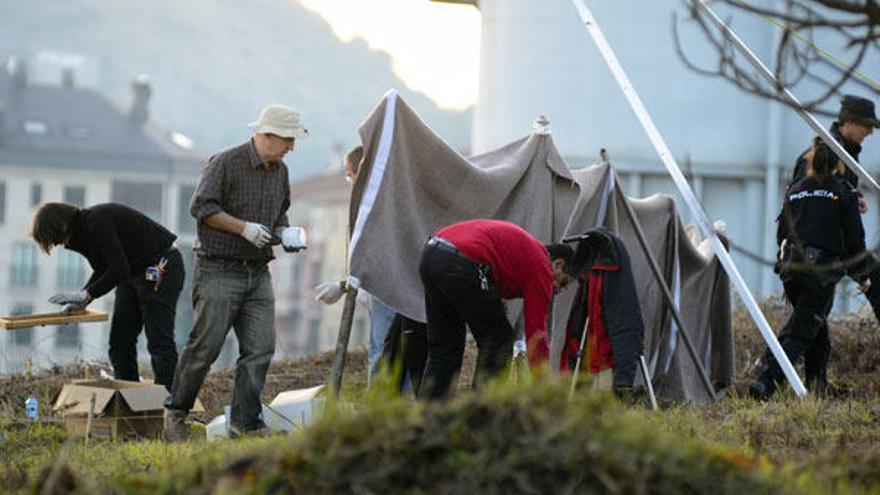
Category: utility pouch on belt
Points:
column 783, row 257
column 155, row 272
column 812, row 256
column 808, row 261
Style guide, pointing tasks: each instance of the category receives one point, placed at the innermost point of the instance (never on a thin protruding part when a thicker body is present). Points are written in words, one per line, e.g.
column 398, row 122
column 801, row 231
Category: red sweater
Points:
column 520, row 268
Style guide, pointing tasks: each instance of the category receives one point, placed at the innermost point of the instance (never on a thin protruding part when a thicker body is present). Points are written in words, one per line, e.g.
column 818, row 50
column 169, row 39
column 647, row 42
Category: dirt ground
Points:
column 216, row 392
column 854, row 365
column 854, row 369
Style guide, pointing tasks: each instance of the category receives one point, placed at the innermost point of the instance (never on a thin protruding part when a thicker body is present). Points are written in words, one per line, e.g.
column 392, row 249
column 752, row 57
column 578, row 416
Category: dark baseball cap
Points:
column 859, row 110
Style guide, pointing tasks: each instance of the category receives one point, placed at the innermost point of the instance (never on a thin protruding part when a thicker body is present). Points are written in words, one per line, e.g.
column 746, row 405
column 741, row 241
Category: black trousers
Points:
column 406, row 345
column 817, row 355
column 139, row 307
column 873, row 294
column 455, row 295
column 806, row 332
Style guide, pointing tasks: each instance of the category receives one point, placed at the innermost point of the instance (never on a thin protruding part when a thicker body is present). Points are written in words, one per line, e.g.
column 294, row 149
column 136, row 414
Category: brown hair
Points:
column 353, row 159
column 51, row 224
column 822, row 161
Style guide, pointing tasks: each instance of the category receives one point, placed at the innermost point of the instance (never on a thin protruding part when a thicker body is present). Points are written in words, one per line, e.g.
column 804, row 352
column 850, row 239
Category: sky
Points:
column 434, row 47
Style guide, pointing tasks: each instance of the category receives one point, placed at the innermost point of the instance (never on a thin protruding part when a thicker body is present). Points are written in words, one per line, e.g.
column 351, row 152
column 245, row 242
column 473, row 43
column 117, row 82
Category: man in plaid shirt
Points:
column 240, row 201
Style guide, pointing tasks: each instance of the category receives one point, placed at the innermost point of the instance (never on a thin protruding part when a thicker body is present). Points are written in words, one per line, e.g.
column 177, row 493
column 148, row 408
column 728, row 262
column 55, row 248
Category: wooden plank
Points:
column 57, row 318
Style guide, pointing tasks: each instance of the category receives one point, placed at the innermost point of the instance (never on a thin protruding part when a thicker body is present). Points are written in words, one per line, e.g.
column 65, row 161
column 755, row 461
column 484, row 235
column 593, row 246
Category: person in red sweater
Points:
column 467, row 269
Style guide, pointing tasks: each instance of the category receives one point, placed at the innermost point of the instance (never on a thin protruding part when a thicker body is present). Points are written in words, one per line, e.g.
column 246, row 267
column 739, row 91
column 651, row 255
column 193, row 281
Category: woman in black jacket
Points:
column 133, row 254
column 821, row 236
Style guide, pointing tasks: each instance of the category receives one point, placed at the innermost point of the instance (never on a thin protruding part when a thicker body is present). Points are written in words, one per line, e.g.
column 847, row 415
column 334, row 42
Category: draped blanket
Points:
column 412, row 183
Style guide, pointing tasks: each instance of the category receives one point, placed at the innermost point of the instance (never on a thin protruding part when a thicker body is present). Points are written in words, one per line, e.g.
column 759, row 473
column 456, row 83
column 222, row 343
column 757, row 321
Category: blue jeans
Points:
column 228, row 294
column 380, row 321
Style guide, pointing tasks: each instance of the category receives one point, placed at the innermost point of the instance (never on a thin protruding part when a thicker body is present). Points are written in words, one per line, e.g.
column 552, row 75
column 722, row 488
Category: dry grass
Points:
column 503, row 440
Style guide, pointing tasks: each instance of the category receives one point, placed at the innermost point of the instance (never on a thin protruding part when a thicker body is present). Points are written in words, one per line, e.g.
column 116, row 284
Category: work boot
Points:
column 174, row 425
column 761, row 391
column 258, row 430
column 817, row 383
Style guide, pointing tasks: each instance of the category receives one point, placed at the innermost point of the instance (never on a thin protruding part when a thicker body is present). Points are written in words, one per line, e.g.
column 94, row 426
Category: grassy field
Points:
column 502, row 440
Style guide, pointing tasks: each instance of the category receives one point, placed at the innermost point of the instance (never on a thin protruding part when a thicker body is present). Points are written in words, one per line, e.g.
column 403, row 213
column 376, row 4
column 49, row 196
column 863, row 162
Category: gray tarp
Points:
column 693, row 274
column 412, row 183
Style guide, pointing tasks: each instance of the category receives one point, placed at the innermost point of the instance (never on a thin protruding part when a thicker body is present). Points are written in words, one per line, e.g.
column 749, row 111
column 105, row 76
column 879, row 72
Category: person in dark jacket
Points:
column 133, row 254
column 856, row 121
column 467, row 269
column 820, row 233
column 608, row 303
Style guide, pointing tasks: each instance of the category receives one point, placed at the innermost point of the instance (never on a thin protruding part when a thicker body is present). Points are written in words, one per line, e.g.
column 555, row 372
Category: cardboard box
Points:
column 289, row 411
column 295, row 408
column 122, row 409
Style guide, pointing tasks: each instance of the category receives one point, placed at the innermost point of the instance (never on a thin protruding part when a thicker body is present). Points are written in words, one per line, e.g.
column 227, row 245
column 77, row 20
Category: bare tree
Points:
column 797, row 58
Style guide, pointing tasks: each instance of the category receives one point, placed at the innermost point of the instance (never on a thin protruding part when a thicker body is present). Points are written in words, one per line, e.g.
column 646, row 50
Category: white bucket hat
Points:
column 280, row 120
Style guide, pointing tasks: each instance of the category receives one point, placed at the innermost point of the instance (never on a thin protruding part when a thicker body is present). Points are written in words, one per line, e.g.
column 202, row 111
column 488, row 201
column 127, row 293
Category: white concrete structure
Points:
column 738, row 150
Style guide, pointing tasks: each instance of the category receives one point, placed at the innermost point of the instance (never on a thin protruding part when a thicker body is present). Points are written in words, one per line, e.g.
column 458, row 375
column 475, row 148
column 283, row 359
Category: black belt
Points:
column 483, row 269
column 443, row 243
column 242, row 261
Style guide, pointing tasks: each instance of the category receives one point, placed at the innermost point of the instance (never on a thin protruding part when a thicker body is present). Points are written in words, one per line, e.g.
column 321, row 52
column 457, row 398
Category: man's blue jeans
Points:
column 228, row 294
column 380, row 321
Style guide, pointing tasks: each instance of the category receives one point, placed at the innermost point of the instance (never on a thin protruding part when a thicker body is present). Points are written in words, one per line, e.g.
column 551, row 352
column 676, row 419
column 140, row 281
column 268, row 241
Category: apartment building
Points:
column 67, row 143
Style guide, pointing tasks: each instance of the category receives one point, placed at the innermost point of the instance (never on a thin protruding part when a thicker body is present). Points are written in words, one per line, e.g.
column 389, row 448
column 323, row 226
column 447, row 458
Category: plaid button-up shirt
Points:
column 237, row 182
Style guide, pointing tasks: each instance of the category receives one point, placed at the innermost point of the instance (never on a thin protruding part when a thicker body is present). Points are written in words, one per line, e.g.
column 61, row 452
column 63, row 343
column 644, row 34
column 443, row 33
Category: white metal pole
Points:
column 687, row 194
column 786, row 94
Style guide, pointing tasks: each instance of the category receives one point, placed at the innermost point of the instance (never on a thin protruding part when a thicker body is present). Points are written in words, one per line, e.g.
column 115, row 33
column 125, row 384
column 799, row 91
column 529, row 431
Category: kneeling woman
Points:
column 820, row 233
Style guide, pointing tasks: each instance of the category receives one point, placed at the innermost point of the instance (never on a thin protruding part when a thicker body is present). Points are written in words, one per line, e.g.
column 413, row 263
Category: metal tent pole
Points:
column 667, row 296
column 688, row 195
column 786, row 94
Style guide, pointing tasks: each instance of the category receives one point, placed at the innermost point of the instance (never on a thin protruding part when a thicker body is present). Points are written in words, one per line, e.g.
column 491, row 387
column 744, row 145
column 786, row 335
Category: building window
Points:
column 2, row 202
column 186, row 224
column 24, row 265
column 315, row 268
column 22, row 336
column 75, row 195
column 36, row 194
column 35, row 127
column 313, row 342
column 71, row 270
column 144, row 197
column 67, row 336
column 296, row 276
column 78, row 132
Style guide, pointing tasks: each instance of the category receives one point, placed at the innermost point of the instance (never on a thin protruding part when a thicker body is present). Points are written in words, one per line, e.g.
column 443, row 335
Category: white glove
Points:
column 71, row 308
column 329, row 292
column 256, row 234
column 81, row 298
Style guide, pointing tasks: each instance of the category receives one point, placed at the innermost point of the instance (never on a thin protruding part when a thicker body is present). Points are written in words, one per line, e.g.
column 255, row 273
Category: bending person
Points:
column 132, row 253
column 467, row 269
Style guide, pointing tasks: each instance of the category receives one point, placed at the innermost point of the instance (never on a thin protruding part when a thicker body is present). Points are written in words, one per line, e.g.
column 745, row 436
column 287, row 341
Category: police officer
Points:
column 820, row 232
column 856, row 121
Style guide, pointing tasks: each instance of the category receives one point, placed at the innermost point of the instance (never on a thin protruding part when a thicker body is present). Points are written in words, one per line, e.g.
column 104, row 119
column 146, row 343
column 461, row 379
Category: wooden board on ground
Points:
column 58, row 318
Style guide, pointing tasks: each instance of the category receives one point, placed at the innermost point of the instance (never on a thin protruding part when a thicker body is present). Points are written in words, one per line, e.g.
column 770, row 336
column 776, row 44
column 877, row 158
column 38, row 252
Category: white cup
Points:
column 293, row 238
